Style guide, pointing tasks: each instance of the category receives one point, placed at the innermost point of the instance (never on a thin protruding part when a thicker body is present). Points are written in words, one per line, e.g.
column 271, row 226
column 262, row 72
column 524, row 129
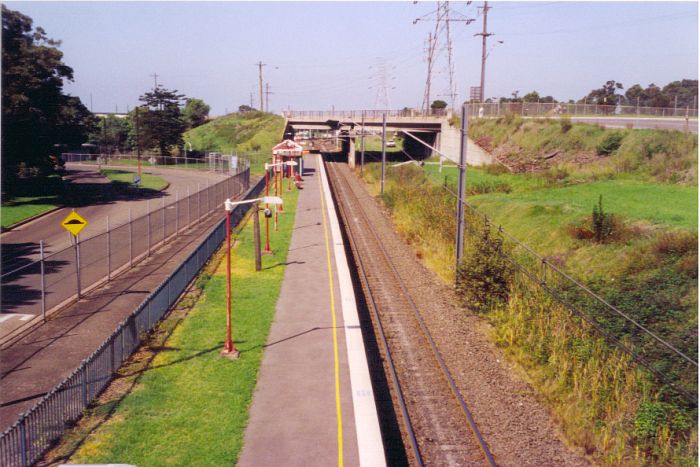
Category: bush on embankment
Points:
column 252, row 134
column 604, row 404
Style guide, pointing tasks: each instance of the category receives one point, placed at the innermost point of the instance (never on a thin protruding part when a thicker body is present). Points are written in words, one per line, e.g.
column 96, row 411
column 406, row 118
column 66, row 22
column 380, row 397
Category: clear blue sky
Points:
column 319, row 54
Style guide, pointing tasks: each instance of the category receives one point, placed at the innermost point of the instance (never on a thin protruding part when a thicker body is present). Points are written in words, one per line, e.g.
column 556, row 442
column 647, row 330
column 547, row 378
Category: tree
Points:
column 36, row 115
column 438, row 105
column 160, row 123
column 633, row 94
column 686, row 91
column 195, row 113
column 653, row 97
column 533, row 96
column 605, row 95
column 111, row 134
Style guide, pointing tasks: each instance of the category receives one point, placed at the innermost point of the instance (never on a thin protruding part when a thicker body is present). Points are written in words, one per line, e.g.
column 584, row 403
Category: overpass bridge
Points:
column 437, row 136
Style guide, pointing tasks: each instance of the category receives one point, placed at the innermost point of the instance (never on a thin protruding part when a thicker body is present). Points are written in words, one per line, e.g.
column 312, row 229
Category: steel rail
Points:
column 446, row 372
column 385, row 345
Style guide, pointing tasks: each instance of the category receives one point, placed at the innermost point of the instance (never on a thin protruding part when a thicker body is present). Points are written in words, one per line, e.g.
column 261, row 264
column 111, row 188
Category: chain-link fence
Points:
column 540, row 109
column 35, row 287
column 26, row 441
column 211, row 161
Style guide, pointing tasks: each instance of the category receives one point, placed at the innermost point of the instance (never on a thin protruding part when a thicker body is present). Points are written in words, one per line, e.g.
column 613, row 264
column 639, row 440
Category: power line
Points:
column 442, row 18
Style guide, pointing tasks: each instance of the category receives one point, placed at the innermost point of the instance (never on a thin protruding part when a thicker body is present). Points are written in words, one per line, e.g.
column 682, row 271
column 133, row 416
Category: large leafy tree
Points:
column 159, row 120
column 36, row 114
column 195, row 113
column 606, row 94
column 111, row 134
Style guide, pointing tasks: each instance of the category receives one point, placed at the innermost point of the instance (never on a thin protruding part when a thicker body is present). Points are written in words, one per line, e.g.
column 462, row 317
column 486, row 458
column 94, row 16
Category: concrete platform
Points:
column 313, row 404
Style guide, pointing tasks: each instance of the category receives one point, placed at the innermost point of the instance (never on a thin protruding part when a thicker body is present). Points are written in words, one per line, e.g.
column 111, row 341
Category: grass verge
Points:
column 34, row 196
column 187, row 405
column 124, row 180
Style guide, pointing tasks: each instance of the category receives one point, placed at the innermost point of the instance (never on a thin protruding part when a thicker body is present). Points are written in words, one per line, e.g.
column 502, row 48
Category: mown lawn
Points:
column 125, row 179
column 191, row 406
column 24, row 207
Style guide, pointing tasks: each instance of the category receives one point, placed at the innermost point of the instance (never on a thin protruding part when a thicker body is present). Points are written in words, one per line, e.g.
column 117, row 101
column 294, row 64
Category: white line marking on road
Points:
column 7, row 316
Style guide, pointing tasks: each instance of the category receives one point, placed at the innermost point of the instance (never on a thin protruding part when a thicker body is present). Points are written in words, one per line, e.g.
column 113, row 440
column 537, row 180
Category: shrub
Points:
column 489, row 187
column 677, row 243
column 555, row 175
column 603, row 222
column 485, row 273
column 565, row 124
column 496, row 169
column 610, row 143
column 579, row 232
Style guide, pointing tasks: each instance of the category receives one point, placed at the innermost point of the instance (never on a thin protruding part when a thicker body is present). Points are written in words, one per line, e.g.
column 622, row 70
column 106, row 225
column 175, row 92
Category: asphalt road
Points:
column 20, row 293
column 105, row 202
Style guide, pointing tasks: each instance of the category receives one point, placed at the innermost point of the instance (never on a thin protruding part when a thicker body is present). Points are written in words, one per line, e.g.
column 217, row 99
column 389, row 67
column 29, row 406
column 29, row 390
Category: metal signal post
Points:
column 462, row 186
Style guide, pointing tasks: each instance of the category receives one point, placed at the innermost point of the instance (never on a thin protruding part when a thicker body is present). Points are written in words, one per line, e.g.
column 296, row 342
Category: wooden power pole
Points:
column 483, row 35
column 260, row 65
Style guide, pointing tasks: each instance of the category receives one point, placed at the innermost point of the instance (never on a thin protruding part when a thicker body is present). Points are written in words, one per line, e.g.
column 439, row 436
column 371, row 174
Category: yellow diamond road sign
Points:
column 73, row 223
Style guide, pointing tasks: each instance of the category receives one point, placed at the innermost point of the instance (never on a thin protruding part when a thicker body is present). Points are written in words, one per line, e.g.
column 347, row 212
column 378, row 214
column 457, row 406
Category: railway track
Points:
column 437, row 426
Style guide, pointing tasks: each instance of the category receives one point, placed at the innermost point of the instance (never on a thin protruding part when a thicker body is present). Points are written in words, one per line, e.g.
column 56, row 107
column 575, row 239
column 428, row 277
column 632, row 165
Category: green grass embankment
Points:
column 250, row 134
column 589, row 151
column 190, row 406
column 35, row 197
column 124, row 180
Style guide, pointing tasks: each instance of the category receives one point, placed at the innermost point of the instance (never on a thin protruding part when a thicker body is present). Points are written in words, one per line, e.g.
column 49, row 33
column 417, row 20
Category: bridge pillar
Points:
column 351, row 152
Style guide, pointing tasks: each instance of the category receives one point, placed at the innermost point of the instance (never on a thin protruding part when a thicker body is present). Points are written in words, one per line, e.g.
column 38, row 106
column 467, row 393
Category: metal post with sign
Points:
column 74, row 223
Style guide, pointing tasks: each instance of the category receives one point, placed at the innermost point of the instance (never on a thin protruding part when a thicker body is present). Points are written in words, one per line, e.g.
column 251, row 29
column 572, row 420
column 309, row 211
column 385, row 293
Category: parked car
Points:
column 391, row 143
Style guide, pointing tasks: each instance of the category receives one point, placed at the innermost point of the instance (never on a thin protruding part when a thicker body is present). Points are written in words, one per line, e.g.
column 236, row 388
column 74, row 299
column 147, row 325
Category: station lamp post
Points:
column 230, row 350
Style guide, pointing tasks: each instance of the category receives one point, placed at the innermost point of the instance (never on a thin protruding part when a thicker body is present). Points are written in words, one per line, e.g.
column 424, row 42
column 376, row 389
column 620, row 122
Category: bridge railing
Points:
column 357, row 114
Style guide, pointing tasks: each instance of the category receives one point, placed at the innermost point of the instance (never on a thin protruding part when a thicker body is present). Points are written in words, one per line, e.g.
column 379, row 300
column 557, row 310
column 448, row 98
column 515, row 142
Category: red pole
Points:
column 267, row 249
column 276, row 194
column 290, row 171
column 229, row 348
column 281, row 179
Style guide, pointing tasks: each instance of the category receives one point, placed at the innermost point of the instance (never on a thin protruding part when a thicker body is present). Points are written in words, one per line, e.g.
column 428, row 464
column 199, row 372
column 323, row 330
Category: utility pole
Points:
column 267, row 97
column 483, row 35
column 155, row 80
column 362, row 144
column 431, row 51
column 251, row 99
column 383, row 150
column 260, row 66
column 138, row 142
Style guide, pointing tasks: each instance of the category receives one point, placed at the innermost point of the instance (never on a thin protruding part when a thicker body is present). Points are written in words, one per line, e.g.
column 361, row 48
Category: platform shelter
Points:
column 287, row 151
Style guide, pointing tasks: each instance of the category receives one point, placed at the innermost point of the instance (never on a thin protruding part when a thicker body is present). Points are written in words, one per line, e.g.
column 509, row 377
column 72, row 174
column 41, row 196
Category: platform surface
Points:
column 313, row 403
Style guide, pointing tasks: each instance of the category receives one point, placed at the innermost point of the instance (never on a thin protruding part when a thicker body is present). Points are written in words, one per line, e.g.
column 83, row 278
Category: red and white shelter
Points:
column 287, row 151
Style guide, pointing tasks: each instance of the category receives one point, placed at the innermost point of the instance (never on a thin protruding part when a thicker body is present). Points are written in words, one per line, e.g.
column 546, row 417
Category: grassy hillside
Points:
column 646, row 265
column 589, row 150
column 250, row 134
